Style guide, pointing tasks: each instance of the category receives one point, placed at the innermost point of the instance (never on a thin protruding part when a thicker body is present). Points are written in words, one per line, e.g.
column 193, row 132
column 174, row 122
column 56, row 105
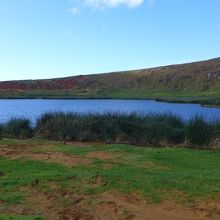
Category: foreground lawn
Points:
column 67, row 179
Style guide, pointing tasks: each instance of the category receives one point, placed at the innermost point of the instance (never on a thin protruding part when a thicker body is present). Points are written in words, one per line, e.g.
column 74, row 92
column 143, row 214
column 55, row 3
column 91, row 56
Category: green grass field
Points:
column 27, row 173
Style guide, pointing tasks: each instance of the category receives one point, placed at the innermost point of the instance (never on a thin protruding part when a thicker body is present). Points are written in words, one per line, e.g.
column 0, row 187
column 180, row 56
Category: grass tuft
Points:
column 18, row 128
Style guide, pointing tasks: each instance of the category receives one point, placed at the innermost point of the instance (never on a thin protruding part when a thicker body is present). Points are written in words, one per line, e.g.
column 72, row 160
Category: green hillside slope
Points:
column 192, row 82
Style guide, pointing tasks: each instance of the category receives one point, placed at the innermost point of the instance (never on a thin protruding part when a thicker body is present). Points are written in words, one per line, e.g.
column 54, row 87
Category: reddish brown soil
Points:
column 69, row 160
column 63, row 205
column 119, row 206
column 102, row 155
column 115, row 206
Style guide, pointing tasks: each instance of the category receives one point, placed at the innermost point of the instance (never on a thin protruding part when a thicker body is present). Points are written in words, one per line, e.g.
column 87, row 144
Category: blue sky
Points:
column 55, row 38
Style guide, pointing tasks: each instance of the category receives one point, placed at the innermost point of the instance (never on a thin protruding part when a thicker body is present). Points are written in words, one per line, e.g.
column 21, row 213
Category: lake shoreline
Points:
column 34, row 108
column 207, row 103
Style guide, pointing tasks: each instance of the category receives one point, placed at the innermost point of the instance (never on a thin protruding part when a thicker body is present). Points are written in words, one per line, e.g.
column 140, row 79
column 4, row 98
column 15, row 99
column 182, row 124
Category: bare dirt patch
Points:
column 113, row 206
column 55, row 157
column 27, row 145
column 119, row 206
column 59, row 204
column 207, row 208
column 16, row 210
column 51, row 207
column 102, row 155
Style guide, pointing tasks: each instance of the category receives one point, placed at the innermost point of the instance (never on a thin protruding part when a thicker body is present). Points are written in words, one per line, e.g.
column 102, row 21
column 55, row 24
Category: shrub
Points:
column 1, row 131
column 199, row 132
column 18, row 128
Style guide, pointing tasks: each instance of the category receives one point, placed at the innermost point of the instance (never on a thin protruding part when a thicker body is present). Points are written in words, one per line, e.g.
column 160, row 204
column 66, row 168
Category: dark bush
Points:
column 1, row 131
column 199, row 132
column 215, row 128
column 138, row 129
column 18, row 128
column 111, row 127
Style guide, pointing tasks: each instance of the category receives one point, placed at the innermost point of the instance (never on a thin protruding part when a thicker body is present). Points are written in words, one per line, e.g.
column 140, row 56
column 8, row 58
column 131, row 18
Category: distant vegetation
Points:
column 197, row 82
column 143, row 130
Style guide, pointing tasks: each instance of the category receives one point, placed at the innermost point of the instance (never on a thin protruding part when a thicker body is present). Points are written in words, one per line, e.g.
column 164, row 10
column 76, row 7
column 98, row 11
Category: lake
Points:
column 33, row 108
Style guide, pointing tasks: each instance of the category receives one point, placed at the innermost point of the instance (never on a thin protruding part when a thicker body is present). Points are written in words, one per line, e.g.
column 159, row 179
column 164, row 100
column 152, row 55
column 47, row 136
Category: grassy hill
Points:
column 192, row 82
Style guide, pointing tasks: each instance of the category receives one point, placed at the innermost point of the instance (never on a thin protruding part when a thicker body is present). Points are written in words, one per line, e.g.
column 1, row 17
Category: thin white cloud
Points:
column 73, row 10
column 100, row 4
column 103, row 4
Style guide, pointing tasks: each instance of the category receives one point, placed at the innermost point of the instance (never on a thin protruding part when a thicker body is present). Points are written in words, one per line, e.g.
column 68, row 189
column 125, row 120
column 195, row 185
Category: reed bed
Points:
column 137, row 129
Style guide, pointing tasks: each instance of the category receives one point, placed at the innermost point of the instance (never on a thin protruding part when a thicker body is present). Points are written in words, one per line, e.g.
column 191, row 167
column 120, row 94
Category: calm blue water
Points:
column 32, row 109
